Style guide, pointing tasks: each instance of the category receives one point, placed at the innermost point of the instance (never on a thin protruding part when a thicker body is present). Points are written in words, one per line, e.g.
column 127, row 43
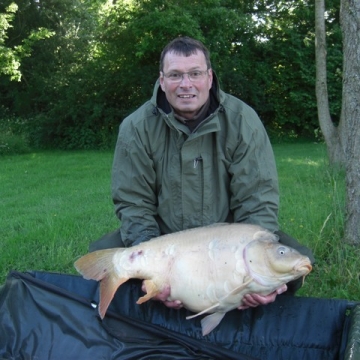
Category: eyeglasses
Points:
column 194, row 76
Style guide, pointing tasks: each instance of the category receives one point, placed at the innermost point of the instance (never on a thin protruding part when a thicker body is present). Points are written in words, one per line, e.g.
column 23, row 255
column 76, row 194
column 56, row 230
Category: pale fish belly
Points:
column 206, row 276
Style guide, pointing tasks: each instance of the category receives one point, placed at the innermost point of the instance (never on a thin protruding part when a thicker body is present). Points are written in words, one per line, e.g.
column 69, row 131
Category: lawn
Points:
column 52, row 204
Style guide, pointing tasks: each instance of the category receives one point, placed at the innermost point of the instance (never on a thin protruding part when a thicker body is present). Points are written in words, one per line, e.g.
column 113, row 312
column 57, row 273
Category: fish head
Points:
column 270, row 262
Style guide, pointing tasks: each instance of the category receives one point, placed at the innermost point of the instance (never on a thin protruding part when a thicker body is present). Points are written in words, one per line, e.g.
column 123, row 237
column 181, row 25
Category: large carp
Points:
column 209, row 269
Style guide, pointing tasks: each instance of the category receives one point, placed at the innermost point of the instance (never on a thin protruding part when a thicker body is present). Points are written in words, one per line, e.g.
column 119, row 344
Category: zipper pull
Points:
column 196, row 161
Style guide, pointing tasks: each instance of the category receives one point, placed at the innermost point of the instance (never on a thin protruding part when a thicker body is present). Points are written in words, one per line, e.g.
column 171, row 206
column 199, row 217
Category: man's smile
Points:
column 189, row 96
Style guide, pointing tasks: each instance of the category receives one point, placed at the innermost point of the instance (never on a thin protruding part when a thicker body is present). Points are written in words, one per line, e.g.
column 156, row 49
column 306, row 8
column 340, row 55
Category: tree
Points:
column 350, row 24
column 333, row 134
column 9, row 64
column 10, row 58
column 343, row 141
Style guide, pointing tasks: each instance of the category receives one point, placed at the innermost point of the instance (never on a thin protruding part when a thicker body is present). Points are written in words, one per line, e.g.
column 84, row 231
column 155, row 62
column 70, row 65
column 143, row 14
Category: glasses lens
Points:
column 175, row 77
column 196, row 75
column 193, row 76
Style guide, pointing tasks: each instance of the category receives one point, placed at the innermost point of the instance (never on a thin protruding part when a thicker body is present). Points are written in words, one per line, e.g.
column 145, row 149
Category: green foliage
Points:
column 25, row 49
column 11, row 144
column 102, row 59
column 9, row 63
column 13, row 137
column 10, row 58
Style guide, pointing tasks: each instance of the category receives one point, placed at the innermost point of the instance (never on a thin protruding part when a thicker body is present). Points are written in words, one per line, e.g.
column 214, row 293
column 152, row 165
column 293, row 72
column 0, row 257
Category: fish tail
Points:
column 99, row 266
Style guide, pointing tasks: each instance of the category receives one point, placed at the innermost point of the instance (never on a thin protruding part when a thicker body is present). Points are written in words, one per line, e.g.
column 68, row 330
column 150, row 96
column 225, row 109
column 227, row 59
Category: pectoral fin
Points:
column 239, row 288
column 215, row 306
column 210, row 322
column 151, row 291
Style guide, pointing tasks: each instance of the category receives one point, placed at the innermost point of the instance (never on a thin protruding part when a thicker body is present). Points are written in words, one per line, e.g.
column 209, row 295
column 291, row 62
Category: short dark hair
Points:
column 185, row 46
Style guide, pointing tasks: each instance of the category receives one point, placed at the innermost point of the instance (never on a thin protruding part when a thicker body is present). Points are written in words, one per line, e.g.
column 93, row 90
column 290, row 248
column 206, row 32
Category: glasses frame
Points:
column 181, row 78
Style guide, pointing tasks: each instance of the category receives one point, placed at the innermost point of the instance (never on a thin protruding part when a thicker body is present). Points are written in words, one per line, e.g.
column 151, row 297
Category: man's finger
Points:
column 253, row 300
column 176, row 304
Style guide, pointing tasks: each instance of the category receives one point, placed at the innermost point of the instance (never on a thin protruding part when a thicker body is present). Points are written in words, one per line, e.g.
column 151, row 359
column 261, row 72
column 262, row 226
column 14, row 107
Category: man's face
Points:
column 186, row 97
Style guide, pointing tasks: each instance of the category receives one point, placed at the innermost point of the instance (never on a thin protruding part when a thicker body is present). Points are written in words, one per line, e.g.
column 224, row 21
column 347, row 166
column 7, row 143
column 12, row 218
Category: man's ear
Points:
column 161, row 78
column 210, row 78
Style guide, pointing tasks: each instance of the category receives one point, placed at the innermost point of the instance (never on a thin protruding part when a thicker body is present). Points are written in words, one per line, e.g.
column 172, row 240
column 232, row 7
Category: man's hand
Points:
column 249, row 300
column 253, row 300
column 163, row 296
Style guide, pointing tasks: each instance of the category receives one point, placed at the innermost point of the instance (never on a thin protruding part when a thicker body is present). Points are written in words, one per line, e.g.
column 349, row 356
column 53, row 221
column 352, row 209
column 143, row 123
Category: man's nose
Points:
column 185, row 80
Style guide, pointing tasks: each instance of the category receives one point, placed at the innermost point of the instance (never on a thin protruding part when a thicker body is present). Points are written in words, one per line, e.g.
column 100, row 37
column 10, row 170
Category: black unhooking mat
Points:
column 47, row 316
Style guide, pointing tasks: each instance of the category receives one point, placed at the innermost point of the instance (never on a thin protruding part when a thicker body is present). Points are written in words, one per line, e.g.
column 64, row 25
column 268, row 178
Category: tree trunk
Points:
column 350, row 25
column 331, row 133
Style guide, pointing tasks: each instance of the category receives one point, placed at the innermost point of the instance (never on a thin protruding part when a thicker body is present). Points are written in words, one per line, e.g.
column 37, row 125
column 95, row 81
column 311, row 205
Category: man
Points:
column 192, row 156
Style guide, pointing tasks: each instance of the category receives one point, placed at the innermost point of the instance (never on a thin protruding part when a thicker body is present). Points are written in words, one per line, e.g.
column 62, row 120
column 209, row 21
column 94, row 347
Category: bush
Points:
column 13, row 138
column 11, row 144
column 48, row 132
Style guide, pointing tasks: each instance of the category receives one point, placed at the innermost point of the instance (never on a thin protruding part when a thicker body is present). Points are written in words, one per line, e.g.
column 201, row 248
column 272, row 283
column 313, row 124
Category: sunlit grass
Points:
column 312, row 210
column 53, row 204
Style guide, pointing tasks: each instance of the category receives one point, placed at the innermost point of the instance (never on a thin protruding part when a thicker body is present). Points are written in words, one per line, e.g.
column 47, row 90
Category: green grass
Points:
column 53, row 204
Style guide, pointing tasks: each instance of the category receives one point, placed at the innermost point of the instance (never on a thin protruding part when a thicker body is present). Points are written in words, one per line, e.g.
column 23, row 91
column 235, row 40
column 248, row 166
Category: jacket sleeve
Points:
column 133, row 187
column 254, row 181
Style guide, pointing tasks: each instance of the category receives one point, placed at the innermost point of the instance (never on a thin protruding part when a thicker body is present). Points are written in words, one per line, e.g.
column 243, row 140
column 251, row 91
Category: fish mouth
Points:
column 303, row 267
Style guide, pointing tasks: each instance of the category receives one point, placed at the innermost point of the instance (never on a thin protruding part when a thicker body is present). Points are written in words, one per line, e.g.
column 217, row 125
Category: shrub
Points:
column 13, row 138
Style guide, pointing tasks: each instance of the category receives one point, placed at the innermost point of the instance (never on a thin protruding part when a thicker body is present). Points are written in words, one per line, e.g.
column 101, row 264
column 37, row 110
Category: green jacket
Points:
column 166, row 178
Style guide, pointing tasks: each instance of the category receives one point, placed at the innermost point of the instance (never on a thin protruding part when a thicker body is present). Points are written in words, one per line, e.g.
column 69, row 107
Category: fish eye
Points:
column 281, row 250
